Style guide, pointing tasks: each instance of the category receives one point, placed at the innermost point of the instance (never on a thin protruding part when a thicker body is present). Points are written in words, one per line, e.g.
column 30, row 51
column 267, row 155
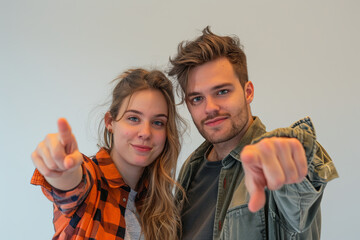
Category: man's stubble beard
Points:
column 235, row 129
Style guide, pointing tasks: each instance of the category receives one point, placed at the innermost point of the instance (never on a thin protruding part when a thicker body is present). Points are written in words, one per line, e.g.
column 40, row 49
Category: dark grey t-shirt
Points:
column 199, row 212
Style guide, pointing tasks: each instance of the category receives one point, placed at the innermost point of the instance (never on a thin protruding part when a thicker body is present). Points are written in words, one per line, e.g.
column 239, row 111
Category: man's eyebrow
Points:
column 192, row 94
column 217, row 87
column 140, row 113
column 221, row 86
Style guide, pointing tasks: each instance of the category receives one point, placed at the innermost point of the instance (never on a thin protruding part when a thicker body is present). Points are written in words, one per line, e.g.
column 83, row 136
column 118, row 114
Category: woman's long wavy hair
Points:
column 159, row 216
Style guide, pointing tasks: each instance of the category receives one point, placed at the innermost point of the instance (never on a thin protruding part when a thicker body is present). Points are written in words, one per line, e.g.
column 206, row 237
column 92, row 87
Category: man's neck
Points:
column 220, row 151
column 217, row 153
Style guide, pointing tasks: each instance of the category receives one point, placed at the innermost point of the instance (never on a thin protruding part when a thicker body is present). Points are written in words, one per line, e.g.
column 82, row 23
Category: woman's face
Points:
column 139, row 135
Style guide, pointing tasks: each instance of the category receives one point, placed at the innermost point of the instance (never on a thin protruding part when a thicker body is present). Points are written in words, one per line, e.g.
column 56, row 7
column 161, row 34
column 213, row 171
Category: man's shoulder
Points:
column 194, row 158
column 198, row 152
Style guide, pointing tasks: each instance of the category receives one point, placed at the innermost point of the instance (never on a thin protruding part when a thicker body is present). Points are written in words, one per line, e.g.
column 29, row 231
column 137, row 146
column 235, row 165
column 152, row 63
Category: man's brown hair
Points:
column 206, row 48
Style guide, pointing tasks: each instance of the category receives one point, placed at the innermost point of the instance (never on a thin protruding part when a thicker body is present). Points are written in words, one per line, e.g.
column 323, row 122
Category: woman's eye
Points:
column 133, row 119
column 222, row 92
column 159, row 123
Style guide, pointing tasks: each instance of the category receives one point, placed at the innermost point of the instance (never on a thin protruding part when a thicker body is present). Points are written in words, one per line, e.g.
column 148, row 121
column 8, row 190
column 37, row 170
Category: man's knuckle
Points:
column 293, row 178
column 278, row 181
column 265, row 145
column 304, row 172
column 295, row 143
column 282, row 144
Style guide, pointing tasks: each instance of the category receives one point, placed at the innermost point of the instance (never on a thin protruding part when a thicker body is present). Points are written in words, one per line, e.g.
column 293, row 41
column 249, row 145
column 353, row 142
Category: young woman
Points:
column 126, row 190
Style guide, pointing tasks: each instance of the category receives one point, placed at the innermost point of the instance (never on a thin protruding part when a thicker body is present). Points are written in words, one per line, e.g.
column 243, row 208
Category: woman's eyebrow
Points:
column 140, row 113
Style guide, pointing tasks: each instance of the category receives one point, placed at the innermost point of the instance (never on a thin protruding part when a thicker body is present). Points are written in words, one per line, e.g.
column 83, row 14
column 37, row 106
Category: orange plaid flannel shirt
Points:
column 95, row 209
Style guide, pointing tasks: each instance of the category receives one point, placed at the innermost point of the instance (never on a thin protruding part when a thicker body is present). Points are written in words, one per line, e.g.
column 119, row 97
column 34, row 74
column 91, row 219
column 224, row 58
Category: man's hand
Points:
column 58, row 159
column 271, row 163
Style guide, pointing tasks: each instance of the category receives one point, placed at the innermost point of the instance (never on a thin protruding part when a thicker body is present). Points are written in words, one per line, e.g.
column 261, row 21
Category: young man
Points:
column 244, row 182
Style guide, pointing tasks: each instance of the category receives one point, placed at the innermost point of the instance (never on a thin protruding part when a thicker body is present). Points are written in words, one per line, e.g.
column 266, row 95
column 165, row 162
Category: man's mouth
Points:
column 215, row 121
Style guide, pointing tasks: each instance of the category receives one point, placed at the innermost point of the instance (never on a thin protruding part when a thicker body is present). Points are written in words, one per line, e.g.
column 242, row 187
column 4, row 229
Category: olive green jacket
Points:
column 292, row 212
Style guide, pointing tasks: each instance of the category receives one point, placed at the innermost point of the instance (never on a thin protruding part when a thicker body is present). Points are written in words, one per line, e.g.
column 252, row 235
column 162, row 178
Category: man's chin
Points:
column 219, row 138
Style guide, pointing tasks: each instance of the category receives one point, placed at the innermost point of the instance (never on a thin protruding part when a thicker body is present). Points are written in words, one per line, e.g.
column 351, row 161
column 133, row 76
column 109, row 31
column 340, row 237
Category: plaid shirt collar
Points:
column 110, row 172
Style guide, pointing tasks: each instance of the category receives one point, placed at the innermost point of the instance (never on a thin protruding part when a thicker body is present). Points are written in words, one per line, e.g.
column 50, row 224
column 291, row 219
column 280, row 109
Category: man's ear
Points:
column 108, row 121
column 249, row 92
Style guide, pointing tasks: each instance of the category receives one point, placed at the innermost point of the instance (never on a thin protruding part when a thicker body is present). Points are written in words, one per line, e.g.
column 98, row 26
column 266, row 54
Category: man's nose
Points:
column 211, row 105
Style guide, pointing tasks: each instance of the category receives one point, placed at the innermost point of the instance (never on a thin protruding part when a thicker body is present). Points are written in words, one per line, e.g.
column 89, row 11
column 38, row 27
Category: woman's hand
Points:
column 58, row 159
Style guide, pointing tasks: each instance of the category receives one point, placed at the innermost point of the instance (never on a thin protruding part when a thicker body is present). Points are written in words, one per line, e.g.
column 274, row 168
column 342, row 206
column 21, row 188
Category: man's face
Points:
column 219, row 106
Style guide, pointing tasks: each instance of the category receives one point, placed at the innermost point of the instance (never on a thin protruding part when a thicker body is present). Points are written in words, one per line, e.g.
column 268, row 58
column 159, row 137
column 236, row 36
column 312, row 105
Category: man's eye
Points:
column 196, row 99
column 133, row 119
column 222, row 92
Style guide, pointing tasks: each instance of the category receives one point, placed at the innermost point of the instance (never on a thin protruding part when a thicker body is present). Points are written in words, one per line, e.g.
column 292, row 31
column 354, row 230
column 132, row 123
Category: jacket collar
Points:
column 256, row 129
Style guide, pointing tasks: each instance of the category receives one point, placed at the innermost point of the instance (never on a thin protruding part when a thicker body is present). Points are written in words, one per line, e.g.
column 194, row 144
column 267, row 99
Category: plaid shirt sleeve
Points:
column 95, row 209
column 65, row 201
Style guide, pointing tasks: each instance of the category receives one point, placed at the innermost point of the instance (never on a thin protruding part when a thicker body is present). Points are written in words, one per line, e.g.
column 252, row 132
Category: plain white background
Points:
column 57, row 59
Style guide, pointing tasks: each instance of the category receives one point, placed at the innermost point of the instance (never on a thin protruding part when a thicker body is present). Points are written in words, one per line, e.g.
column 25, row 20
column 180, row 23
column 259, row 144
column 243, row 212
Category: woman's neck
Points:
column 131, row 179
column 130, row 173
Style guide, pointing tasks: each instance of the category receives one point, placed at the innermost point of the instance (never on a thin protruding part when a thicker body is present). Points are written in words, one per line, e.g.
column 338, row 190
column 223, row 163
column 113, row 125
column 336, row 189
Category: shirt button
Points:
column 124, row 199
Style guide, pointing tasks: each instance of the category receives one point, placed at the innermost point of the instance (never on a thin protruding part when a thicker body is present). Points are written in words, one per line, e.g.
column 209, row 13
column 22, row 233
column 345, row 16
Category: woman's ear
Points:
column 249, row 92
column 108, row 121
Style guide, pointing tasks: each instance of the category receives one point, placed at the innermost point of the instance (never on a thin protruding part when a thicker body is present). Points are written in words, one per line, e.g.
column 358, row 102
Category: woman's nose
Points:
column 145, row 130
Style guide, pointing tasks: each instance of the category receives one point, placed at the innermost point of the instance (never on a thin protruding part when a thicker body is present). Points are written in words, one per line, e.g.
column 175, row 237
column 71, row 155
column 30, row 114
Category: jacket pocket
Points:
column 240, row 224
